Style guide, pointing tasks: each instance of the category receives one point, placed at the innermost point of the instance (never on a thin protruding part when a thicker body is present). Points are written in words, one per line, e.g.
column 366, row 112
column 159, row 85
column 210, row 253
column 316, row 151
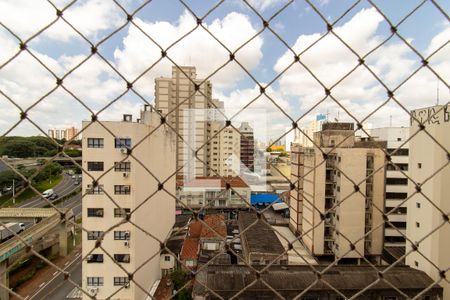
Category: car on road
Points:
column 53, row 196
column 48, row 193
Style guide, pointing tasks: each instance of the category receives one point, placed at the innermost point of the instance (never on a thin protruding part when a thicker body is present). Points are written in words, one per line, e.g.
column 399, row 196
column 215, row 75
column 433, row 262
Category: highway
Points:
column 56, row 288
column 66, row 186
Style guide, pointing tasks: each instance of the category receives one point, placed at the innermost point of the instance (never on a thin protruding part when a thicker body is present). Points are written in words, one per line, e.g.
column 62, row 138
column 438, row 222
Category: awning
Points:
column 280, row 206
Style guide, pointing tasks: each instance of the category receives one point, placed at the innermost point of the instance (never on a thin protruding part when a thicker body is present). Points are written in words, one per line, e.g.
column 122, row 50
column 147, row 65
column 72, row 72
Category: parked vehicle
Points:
column 48, row 193
column 11, row 228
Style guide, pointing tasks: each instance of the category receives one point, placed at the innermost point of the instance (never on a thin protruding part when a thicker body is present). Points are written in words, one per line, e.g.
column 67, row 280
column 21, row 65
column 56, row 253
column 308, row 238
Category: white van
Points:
column 48, row 193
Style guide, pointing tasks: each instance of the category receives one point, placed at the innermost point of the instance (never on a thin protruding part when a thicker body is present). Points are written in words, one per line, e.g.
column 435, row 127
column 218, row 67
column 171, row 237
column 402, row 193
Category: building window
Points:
column 121, row 189
column 94, row 258
column 120, row 281
column 94, row 235
column 417, row 204
column 166, row 257
column 398, row 152
column 95, row 166
column 389, row 298
column 95, row 212
column 121, row 235
column 121, row 212
column 122, row 142
column 396, row 195
column 419, row 165
column 417, row 224
column 399, row 139
column 95, row 142
column 124, row 166
column 95, row 281
column 122, row 258
column 94, row 190
column 397, row 181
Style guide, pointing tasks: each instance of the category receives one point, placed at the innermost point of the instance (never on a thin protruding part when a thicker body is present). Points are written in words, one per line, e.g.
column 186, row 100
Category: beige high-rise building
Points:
column 224, row 150
column 426, row 213
column 324, row 208
column 188, row 110
column 396, row 188
column 129, row 185
column 71, row 132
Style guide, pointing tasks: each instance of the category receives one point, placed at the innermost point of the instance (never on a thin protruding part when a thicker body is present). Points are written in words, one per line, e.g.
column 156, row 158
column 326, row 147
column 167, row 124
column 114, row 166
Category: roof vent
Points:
column 127, row 118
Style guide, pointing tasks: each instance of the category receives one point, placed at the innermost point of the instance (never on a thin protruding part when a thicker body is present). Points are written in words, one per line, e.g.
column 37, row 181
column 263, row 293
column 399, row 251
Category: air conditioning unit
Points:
column 127, row 235
column 126, row 174
column 127, row 285
column 123, row 150
column 126, row 244
column 93, row 291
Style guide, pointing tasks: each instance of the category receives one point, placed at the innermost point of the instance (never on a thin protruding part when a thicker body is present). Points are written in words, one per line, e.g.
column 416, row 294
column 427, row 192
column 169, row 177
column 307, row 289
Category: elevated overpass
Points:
column 48, row 219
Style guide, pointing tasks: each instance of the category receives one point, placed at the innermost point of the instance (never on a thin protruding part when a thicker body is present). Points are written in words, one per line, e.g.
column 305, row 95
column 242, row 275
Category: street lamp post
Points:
column 14, row 191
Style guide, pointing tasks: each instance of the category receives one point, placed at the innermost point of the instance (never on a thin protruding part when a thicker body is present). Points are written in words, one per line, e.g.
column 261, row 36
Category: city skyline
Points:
column 96, row 84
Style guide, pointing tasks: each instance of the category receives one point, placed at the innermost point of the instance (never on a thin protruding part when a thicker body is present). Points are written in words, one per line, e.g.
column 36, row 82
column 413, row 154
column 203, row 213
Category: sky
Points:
column 296, row 91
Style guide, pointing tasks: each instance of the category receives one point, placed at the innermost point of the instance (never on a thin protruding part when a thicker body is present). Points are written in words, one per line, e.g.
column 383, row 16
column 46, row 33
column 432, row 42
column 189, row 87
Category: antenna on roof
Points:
column 437, row 93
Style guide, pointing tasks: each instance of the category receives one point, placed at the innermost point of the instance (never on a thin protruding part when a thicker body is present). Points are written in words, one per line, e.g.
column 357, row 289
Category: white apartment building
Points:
column 305, row 139
column 125, row 189
column 212, row 192
column 224, row 150
column 188, row 115
column 425, row 158
column 324, row 208
column 396, row 184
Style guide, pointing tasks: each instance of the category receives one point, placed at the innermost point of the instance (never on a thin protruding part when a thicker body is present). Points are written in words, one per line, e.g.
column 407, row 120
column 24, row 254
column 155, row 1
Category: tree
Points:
column 20, row 148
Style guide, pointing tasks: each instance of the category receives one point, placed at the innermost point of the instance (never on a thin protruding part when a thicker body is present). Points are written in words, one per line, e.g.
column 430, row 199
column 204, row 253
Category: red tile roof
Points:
column 217, row 223
column 195, row 229
column 190, row 249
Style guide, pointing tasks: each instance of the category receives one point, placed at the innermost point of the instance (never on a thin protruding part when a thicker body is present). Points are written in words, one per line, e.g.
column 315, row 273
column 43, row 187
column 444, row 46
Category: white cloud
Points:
column 261, row 5
column 198, row 49
column 360, row 92
column 89, row 17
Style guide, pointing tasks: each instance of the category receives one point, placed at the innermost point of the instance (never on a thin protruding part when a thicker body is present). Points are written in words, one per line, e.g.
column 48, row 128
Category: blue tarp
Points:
column 264, row 199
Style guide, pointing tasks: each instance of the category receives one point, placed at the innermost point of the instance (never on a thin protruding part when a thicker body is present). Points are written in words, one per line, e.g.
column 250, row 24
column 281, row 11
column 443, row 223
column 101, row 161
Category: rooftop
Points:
column 216, row 226
column 259, row 237
column 190, row 249
column 195, row 229
column 289, row 281
column 213, row 182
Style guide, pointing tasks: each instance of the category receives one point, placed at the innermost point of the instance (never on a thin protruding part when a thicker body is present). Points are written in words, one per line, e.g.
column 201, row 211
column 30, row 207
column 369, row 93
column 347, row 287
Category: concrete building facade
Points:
column 247, row 146
column 128, row 184
column 187, row 100
column 224, row 150
column 425, row 209
column 335, row 208
column 212, row 192
column 396, row 186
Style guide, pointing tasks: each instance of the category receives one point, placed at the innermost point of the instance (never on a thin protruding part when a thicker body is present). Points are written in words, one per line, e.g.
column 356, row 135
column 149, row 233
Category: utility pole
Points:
column 14, row 191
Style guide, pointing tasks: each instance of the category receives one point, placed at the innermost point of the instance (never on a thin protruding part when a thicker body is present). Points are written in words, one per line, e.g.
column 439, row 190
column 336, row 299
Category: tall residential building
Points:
column 67, row 133
column 396, row 187
column 247, row 146
column 305, row 139
column 71, row 132
column 129, row 183
column 327, row 209
column 188, row 116
column 224, row 150
column 428, row 210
